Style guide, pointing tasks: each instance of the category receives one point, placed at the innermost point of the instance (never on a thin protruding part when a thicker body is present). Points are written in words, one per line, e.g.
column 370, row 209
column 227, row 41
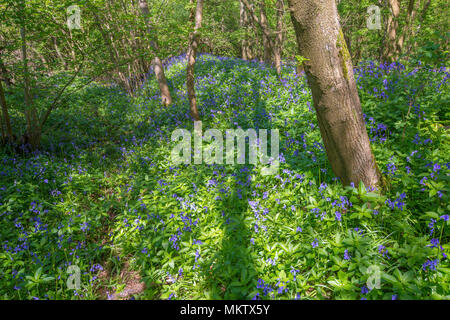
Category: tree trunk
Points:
column 421, row 18
column 58, row 53
column 243, row 21
column 424, row 11
column 279, row 37
column 251, row 27
column 330, row 76
column 390, row 52
column 4, row 73
column 4, row 118
column 1, row 126
column 158, row 67
column 272, row 44
column 406, row 29
column 191, row 56
column 267, row 57
column 113, row 52
column 33, row 133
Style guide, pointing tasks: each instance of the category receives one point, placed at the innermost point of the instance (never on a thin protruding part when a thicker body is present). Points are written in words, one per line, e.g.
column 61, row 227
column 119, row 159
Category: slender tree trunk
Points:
column 390, row 52
column 191, row 56
column 126, row 79
column 4, row 73
column 267, row 57
column 40, row 56
column 5, row 121
column 250, row 27
column 113, row 52
column 424, row 12
column 157, row 64
column 279, row 37
column 358, row 50
column 421, row 18
column 330, row 76
column 243, row 21
column 272, row 44
column 58, row 53
column 3, row 129
column 72, row 49
column 33, row 134
column 406, row 29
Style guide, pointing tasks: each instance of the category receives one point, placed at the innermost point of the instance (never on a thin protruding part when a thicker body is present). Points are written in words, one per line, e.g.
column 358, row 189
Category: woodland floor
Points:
column 102, row 194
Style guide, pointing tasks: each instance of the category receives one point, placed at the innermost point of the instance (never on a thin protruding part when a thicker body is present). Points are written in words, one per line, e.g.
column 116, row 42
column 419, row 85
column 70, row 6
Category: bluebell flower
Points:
column 431, row 225
column 294, row 272
column 430, row 264
column 364, row 290
column 434, row 243
column 346, row 255
column 382, row 250
column 436, row 167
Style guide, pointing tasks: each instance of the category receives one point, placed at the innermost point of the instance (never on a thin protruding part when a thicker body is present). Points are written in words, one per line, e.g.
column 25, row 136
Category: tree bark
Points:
column 4, row 73
column 264, row 28
column 421, row 18
column 112, row 49
column 272, row 43
column 267, row 56
column 424, row 11
column 330, row 76
column 243, row 21
column 2, row 128
column 390, row 52
column 157, row 64
column 58, row 53
column 406, row 29
column 279, row 37
column 4, row 119
column 191, row 56
column 33, row 134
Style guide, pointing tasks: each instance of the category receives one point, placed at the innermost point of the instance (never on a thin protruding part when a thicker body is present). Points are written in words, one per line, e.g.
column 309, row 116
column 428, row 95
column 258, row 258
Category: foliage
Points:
column 102, row 193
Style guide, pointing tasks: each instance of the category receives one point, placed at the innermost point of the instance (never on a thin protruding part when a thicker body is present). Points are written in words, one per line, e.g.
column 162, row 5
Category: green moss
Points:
column 343, row 52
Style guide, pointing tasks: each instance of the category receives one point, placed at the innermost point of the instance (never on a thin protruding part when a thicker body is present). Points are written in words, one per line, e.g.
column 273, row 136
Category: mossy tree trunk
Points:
column 329, row 71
